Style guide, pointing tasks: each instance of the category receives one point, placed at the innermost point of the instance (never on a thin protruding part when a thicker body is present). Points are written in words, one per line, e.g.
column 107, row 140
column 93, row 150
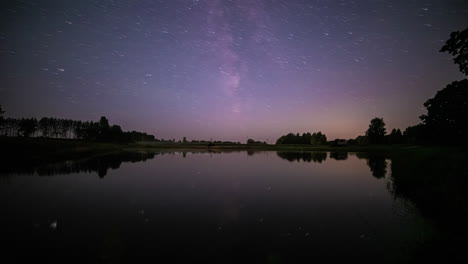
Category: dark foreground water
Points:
column 264, row 207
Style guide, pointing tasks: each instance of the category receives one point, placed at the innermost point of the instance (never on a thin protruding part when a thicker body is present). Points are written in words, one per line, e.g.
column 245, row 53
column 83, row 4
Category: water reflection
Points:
column 376, row 162
column 241, row 202
column 318, row 157
column 339, row 155
column 99, row 164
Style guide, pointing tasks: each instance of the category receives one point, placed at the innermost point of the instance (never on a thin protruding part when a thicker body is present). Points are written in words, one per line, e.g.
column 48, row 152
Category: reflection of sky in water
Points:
column 218, row 202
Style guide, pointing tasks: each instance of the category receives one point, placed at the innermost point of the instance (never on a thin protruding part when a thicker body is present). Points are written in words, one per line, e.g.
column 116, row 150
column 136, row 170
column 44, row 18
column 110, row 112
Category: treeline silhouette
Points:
column 377, row 134
column 305, row 138
column 48, row 127
column 446, row 121
column 251, row 142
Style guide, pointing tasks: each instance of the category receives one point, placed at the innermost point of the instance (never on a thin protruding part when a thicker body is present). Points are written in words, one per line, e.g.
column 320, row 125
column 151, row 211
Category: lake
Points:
column 262, row 207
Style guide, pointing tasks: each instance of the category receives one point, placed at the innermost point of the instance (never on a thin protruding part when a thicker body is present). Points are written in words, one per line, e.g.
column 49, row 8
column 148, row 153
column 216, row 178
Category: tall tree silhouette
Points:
column 376, row 131
column 446, row 120
column 447, row 112
column 457, row 46
column 395, row 137
column 2, row 122
column 27, row 126
column 318, row 139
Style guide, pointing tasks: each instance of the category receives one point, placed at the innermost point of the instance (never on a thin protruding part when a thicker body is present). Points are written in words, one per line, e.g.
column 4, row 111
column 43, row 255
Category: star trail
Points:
column 227, row 70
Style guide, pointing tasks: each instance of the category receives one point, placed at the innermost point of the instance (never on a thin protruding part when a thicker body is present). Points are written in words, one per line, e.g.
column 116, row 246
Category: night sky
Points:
column 227, row 70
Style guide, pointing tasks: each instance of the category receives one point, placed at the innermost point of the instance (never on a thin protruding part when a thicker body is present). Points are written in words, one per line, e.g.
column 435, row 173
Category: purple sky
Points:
column 227, row 70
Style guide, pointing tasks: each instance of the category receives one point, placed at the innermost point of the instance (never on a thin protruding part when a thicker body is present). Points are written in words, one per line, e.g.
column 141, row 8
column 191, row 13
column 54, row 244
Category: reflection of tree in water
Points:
column 436, row 183
column 378, row 166
column 376, row 162
column 303, row 156
column 99, row 164
column 339, row 155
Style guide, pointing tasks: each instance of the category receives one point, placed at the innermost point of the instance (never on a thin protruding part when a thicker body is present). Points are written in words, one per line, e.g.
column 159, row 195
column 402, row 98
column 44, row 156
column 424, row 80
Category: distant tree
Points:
column 184, row 140
column 27, row 126
column 447, row 112
column 91, row 130
column 66, row 128
column 318, row 139
column 415, row 134
column 305, row 138
column 78, row 129
column 103, row 123
column 457, row 46
column 54, row 126
column 2, row 122
column 362, row 140
column 115, row 133
column 395, row 137
column 44, row 126
column 376, row 131
column 103, row 129
column 10, row 127
column 251, row 141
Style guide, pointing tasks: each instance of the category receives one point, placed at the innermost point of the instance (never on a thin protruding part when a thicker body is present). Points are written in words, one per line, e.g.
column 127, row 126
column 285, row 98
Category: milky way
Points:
column 227, row 70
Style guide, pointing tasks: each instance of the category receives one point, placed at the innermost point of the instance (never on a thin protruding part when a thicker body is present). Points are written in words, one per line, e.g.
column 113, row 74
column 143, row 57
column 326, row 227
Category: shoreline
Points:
column 44, row 149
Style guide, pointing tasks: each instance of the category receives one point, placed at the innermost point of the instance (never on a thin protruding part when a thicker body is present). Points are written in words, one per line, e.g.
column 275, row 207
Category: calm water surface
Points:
column 263, row 207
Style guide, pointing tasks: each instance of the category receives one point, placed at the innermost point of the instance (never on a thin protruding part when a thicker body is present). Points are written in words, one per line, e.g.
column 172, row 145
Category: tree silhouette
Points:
column 2, row 122
column 251, row 141
column 103, row 123
column 27, row 126
column 378, row 166
column 376, row 131
column 305, row 138
column 43, row 126
column 318, row 139
column 69, row 129
column 447, row 112
column 457, row 46
column 395, row 137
